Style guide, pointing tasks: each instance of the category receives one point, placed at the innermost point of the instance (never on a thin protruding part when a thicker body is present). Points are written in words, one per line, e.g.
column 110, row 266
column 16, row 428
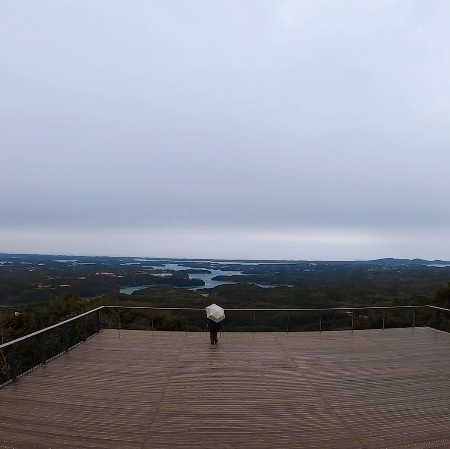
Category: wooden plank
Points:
column 364, row 389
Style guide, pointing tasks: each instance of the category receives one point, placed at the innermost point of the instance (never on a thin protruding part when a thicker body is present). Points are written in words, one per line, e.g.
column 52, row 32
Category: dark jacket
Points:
column 213, row 326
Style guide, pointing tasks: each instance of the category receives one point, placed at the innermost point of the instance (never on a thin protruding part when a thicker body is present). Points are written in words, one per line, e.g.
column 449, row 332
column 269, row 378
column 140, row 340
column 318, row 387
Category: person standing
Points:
column 213, row 329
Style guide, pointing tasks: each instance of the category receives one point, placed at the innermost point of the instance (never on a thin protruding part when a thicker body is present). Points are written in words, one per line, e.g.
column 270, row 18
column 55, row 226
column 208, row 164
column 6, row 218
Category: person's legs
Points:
column 211, row 336
column 215, row 337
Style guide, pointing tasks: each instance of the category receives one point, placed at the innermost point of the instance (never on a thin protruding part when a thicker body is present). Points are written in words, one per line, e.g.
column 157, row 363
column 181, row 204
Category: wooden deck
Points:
column 364, row 389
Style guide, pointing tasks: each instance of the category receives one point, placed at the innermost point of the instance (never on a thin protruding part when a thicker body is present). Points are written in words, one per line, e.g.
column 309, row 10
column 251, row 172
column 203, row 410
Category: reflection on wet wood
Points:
column 367, row 389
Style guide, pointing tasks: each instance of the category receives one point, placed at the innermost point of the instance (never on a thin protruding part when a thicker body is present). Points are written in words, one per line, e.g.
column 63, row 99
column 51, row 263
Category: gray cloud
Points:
column 222, row 116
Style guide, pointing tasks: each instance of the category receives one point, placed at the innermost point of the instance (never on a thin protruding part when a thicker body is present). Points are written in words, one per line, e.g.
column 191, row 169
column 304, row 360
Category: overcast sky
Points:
column 297, row 129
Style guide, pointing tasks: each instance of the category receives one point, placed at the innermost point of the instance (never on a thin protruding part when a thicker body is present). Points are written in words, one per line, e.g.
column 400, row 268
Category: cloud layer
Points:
column 205, row 119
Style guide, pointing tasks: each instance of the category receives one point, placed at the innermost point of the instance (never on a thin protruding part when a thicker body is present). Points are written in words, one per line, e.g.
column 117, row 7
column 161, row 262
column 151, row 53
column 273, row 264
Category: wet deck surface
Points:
column 367, row 389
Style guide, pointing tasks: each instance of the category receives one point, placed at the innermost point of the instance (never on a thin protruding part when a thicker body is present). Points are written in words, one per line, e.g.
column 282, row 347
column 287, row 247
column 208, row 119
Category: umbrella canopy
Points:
column 215, row 313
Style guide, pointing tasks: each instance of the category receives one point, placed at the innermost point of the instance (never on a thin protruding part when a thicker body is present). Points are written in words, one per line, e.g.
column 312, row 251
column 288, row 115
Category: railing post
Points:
column 353, row 320
column 384, row 317
column 43, row 349
column 254, row 322
column 98, row 320
column 287, row 324
column 118, row 313
column 66, row 337
column 152, row 321
column 83, row 325
column 320, row 323
column 438, row 319
column 414, row 318
column 12, row 361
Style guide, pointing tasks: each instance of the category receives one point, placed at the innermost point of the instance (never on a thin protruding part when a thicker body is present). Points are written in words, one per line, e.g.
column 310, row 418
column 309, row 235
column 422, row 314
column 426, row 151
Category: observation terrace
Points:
column 109, row 387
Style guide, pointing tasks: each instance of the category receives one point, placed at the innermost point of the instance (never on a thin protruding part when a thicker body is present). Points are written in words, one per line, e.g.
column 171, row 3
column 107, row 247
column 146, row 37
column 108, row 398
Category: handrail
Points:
column 328, row 309
column 439, row 308
column 155, row 308
column 54, row 326
column 274, row 310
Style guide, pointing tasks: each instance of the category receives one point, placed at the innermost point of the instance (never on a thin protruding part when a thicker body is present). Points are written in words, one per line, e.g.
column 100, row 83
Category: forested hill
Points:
column 33, row 279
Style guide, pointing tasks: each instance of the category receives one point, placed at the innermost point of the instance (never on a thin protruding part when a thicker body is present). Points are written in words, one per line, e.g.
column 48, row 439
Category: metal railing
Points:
column 287, row 326
column 24, row 354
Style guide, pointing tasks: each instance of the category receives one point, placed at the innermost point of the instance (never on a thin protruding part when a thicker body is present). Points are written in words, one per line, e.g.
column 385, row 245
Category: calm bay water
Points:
column 128, row 290
column 206, row 277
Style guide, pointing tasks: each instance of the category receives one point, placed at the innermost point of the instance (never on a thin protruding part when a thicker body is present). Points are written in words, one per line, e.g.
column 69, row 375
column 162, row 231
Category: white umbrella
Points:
column 215, row 313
